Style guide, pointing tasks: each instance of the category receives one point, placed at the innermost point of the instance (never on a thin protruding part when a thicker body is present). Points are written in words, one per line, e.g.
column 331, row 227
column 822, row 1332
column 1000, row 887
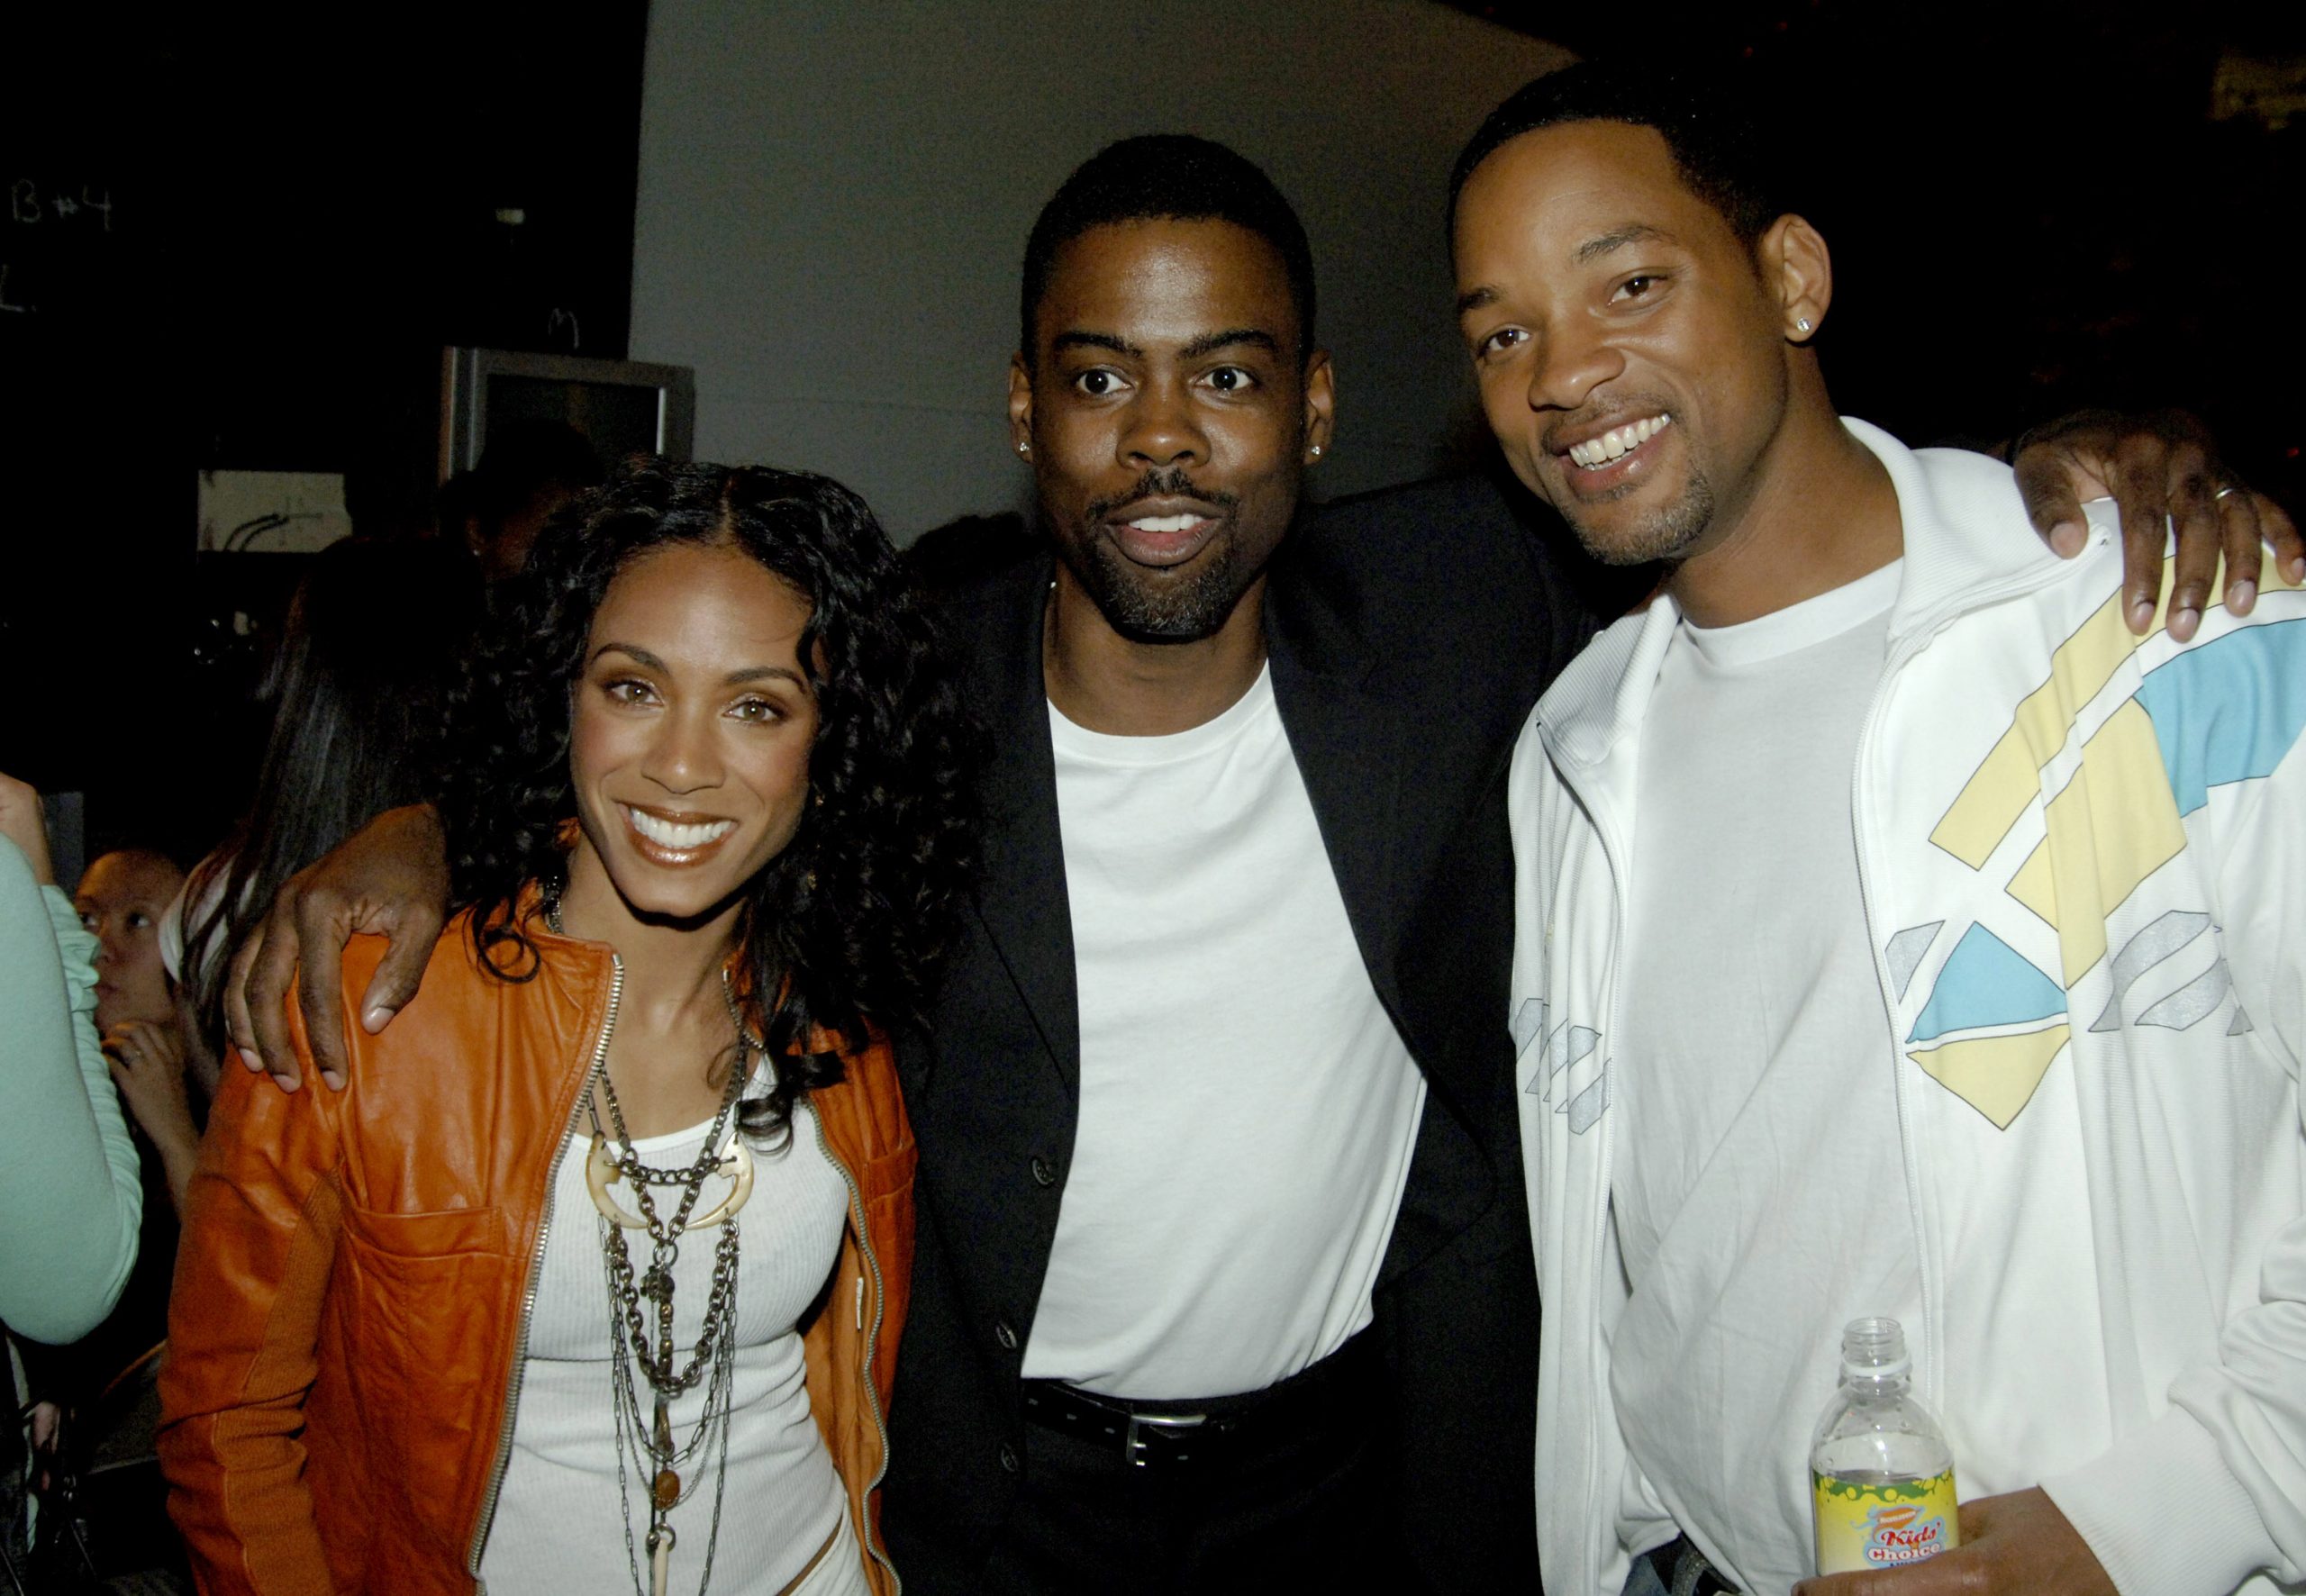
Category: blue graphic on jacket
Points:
column 2228, row 712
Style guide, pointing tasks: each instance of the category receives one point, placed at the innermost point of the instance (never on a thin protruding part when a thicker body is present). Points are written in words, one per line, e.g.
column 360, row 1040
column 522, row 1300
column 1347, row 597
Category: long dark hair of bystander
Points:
column 372, row 646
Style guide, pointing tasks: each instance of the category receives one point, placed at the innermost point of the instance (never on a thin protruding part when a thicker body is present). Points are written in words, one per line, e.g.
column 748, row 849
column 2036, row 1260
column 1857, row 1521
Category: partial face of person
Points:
column 1629, row 345
column 1169, row 417
column 121, row 899
column 690, row 728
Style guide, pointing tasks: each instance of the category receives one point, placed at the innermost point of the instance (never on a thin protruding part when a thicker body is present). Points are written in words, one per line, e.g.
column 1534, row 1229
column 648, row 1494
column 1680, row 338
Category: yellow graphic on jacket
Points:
column 2225, row 711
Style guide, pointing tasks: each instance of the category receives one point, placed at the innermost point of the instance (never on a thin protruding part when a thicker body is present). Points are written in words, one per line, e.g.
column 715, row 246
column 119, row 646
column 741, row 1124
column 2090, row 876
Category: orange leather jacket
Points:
column 349, row 1316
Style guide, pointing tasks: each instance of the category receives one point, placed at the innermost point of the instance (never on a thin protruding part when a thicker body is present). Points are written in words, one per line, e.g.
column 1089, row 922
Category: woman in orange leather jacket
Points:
column 704, row 755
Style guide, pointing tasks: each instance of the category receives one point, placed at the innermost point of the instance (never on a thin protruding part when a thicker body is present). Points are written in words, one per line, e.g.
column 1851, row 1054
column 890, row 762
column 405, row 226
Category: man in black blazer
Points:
column 1169, row 396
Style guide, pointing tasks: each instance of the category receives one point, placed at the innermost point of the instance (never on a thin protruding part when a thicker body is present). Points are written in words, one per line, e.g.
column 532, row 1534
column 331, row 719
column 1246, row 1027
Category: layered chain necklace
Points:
column 640, row 1313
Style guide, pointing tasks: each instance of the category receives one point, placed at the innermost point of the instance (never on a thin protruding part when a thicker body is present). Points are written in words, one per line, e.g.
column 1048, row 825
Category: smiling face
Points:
column 1169, row 416
column 1631, row 348
column 690, row 727
column 122, row 895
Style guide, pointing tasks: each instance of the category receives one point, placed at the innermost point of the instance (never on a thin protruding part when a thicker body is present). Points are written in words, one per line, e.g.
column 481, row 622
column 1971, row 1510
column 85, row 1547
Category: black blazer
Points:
column 1409, row 633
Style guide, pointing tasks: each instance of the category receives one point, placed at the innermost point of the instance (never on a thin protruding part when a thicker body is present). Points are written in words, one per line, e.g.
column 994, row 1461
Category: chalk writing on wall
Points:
column 47, row 223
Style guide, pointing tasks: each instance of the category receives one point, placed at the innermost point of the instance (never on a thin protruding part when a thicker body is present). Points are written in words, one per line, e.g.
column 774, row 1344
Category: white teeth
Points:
column 673, row 835
column 1164, row 523
column 1615, row 443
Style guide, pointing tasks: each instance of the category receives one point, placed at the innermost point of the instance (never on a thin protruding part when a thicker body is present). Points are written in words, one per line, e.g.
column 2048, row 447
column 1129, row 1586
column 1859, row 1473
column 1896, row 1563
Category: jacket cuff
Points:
column 2163, row 1513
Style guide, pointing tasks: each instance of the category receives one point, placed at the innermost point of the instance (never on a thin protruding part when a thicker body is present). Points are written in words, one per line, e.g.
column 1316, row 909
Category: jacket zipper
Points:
column 1597, row 1371
column 1925, row 1342
column 872, row 1340
column 536, row 1266
column 1902, row 653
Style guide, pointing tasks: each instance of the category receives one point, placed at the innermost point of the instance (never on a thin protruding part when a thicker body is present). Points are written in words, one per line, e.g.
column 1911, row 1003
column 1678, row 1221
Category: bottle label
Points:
column 1878, row 1524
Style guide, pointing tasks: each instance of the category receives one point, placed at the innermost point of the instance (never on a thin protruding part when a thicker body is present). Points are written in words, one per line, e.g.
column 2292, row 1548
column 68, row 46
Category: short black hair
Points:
column 1719, row 146
column 1168, row 178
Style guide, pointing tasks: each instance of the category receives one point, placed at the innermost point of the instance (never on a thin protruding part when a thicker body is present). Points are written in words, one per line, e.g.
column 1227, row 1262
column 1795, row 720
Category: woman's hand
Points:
column 147, row 1066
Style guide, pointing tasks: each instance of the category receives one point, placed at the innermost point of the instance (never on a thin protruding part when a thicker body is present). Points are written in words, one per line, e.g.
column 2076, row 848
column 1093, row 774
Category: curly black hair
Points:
column 845, row 927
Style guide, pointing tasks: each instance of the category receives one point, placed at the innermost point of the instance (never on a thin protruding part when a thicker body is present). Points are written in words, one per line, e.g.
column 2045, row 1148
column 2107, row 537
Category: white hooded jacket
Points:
column 2084, row 865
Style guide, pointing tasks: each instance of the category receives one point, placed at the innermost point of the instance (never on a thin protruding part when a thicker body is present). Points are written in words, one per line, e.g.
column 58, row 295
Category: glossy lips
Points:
column 674, row 840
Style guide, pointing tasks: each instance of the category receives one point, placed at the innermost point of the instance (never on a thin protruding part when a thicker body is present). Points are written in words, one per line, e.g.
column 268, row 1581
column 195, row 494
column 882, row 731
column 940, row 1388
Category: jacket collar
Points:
column 1353, row 746
column 560, row 950
column 1966, row 536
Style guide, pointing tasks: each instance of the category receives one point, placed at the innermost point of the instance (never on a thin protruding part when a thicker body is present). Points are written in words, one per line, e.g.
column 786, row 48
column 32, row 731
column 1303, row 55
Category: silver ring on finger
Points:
column 2228, row 491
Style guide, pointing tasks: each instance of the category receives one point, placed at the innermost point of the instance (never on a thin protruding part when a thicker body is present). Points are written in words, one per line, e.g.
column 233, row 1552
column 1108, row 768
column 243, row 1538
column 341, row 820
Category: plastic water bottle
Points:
column 1881, row 1475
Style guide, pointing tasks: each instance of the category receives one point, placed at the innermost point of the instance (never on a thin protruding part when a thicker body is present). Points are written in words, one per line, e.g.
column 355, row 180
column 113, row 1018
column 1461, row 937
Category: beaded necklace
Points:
column 648, row 1441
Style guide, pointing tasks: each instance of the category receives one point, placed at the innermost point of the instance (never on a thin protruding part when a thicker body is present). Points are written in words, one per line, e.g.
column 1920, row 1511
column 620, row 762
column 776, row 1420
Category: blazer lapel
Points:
column 1027, row 917
column 1351, row 747
column 1356, row 748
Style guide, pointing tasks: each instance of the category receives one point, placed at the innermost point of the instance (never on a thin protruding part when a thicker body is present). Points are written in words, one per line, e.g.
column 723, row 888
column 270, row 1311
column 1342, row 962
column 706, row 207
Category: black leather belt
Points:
column 1184, row 1433
column 1684, row 1570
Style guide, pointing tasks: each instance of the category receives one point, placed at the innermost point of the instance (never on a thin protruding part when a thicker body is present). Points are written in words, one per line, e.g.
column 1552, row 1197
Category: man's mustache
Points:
column 1172, row 484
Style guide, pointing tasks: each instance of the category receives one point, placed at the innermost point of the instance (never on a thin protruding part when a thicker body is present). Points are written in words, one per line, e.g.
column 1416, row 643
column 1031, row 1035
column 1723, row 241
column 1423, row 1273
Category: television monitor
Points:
column 620, row 406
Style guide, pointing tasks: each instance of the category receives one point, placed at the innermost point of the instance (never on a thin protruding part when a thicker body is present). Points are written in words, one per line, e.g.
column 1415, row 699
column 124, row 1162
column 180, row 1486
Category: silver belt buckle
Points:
column 1135, row 1441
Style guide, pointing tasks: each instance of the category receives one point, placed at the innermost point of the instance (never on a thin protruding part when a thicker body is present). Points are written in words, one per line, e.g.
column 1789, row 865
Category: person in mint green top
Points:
column 71, row 1197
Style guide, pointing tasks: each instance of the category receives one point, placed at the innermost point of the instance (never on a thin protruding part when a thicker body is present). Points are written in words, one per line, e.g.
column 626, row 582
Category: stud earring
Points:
column 1025, row 449
column 1317, row 451
column 1802, row 324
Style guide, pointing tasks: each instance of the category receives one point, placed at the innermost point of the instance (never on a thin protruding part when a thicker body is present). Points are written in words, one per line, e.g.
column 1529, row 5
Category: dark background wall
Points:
column 303, row 207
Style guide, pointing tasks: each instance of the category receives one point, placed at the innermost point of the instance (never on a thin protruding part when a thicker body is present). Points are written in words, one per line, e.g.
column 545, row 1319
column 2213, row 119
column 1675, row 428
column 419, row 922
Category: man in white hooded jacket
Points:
column 1897, row 934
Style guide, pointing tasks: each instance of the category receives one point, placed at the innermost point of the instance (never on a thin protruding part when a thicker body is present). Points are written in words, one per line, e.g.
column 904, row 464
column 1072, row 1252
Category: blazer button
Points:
column 1005, row 1335
column 1044, row 1171
column 1008, row 1458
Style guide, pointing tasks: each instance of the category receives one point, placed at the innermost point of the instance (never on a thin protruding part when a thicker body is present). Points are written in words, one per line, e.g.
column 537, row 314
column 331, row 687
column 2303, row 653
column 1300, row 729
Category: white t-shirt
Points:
column 558, row 1528
column 1759, row 1190
column 1247, row 1108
